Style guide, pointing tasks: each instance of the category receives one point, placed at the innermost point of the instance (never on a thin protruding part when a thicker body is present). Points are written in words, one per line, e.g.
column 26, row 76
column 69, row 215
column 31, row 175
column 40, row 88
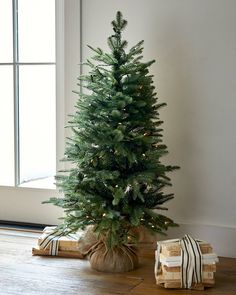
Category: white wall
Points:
column 25, row 205
column 194, row 43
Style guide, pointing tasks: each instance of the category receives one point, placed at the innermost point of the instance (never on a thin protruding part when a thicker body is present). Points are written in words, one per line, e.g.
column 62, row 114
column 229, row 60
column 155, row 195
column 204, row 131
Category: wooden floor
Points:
column 23, row 274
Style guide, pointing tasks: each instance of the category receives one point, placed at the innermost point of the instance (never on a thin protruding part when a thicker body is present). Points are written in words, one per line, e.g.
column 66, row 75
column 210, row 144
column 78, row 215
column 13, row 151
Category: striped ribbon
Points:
column 191, row 262
column 52, row 238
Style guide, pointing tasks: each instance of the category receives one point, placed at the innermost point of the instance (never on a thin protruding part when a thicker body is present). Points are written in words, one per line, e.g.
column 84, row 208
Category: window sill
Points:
column 45, row 183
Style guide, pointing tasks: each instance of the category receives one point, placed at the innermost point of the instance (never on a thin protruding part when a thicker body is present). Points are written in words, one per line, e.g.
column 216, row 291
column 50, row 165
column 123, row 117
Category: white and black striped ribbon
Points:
column 52, row 239
column 191, row 259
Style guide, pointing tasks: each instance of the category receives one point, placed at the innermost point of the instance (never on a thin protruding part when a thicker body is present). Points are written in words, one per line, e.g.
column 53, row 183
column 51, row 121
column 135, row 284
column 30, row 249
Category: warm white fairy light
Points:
column 128, row 188
column 95, row 145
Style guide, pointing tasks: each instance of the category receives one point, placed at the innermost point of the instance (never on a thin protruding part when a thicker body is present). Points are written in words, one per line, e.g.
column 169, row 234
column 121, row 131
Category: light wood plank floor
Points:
column 23, row 274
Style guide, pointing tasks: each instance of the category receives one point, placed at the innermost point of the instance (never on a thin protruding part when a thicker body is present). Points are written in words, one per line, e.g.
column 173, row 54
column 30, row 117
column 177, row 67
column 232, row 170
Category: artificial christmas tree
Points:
column 117, row 179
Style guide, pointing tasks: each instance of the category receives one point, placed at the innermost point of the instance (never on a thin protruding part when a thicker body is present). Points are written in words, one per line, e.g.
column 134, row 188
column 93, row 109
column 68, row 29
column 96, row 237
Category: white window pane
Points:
column 6, row 126
column 37, row 122
column 36, row 19
column 6, row 31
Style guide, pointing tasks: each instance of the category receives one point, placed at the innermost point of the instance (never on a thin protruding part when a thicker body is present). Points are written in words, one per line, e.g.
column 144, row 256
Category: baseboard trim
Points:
column 22, row 226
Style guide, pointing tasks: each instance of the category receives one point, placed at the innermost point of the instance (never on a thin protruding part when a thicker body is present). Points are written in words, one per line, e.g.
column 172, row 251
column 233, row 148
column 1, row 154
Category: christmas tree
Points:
column 116, row 180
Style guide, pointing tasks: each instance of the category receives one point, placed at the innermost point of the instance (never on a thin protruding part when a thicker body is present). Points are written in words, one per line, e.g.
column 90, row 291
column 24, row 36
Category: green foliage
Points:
column 117, row 179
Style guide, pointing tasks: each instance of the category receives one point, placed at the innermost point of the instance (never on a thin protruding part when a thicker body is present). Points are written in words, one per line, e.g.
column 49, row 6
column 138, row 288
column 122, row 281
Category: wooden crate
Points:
column 168, row 268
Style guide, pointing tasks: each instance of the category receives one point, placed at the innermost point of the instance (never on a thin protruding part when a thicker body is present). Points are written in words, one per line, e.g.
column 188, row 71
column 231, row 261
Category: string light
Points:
column 128, row 188
column 95, row 145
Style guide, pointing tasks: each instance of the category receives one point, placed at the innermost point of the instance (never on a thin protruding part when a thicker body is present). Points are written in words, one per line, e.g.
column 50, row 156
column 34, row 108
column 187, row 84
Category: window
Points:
column 27, row 92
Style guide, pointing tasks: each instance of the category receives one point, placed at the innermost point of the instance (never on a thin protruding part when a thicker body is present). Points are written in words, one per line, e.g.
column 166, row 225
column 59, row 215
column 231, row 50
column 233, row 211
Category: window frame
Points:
column 15, row 66
column 24, row 204
column 59, row 65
